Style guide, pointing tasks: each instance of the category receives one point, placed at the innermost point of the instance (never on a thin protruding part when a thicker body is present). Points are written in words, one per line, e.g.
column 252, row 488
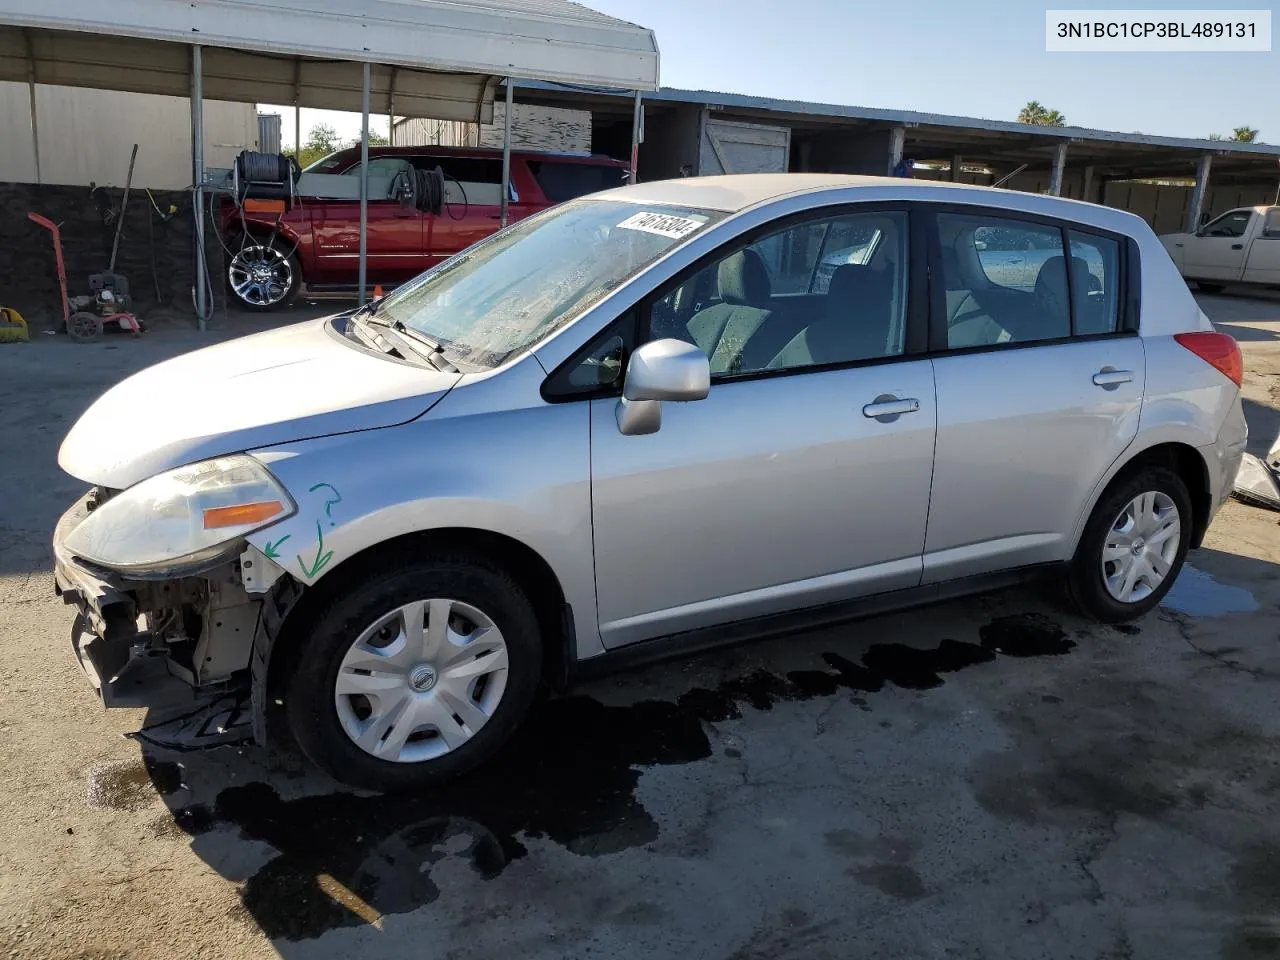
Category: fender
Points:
column 523, row 474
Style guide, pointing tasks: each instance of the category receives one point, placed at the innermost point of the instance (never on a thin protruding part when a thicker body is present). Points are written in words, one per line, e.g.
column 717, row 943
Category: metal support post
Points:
column 637, row 136
column 956, row 162
column 31, row 92
column 1197, row 195
column 1086, row 189
column 897, row 144
column 506, row 151
column 364, row 181
column 197, row 180
column 1059, row 163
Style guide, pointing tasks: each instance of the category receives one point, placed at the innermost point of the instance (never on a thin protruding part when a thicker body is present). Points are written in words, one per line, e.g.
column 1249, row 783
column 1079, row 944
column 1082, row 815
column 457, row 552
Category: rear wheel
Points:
column 263, row 277
column 415, row 675
column 1133, row 546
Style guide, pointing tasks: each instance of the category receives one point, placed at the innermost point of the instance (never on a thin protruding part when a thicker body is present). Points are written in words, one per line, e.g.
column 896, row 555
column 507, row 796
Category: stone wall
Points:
column 549, row 129
column 87, row 218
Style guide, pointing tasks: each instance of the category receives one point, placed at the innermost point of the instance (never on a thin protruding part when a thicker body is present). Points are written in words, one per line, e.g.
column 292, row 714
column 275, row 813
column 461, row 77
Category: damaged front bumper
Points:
column 188, row 648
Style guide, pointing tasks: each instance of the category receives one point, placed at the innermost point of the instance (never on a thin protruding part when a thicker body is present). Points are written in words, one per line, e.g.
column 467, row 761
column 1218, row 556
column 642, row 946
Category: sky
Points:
column 977, row 58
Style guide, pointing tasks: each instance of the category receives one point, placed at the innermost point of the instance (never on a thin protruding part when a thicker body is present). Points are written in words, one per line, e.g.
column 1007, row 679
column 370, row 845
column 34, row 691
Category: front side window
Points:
column 562, row 180
column 1005, row 281
column 761, row 308
column 387, row 167
column 504, row 294
column 467, row 180
column 1232, row 224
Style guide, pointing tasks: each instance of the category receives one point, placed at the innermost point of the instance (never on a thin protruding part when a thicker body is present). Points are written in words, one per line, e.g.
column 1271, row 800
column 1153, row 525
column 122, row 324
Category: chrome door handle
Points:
column 888, row 405
column 1110, row 377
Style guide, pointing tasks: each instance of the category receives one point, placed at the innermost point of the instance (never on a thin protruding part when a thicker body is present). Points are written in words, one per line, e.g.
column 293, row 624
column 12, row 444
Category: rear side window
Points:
column 562, row 181
column 1005, row 281
column 1271, row 226
column 467, row 180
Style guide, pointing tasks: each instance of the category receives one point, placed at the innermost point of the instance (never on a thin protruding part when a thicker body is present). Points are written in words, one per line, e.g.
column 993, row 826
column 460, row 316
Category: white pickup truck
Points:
column 1241, row 246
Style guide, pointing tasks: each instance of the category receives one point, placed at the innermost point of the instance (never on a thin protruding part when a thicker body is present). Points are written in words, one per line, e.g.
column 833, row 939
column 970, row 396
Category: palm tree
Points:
column 1037, row 113
column 1244, row 134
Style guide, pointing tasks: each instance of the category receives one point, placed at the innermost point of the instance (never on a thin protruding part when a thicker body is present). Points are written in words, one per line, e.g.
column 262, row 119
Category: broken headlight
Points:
column 181, row 518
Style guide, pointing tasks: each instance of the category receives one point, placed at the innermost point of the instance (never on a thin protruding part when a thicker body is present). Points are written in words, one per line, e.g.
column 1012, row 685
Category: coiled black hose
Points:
column 265, row 167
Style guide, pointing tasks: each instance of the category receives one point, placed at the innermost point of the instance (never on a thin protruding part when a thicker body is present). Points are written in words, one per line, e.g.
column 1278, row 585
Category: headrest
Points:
column 744, row 279
column 1053, row 274
column 854, row 282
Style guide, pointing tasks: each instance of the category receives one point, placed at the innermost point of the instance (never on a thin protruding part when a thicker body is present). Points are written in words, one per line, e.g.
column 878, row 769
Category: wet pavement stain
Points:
column 132, row 784
column 1197, row 594
column 568, row 775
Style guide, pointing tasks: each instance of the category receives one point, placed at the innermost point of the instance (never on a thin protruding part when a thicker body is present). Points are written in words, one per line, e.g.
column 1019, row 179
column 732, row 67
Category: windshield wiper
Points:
column 434, row 351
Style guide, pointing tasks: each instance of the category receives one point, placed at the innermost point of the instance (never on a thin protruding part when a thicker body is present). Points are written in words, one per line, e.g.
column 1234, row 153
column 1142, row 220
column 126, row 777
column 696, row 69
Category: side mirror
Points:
column 660, row 370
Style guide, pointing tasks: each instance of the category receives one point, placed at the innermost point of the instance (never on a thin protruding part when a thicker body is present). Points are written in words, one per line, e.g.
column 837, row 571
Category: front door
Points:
column 472, row 204
column 1216, row 252
column 803, row 477
column 1039, row 392
column 394, row 245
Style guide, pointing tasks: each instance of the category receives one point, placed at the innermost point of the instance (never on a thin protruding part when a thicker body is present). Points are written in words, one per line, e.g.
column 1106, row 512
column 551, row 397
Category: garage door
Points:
column 732, row 147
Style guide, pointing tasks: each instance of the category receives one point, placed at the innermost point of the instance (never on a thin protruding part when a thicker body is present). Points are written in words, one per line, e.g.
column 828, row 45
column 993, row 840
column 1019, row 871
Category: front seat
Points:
column 723, row 330
column 856, row 321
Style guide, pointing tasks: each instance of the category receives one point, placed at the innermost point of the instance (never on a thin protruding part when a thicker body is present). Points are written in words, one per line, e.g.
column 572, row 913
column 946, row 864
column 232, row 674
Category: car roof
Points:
column 732, row 193
column 483, row 152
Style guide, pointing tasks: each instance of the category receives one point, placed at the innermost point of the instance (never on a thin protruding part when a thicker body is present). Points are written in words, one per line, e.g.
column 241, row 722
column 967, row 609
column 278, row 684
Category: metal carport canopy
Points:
column 434, row 58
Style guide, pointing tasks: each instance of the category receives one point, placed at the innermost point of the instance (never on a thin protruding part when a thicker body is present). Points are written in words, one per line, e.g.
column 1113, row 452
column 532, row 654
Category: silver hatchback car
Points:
column 636, row 424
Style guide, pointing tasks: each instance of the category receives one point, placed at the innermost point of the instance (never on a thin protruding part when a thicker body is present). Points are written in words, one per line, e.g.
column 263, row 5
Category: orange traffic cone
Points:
column 377, row 291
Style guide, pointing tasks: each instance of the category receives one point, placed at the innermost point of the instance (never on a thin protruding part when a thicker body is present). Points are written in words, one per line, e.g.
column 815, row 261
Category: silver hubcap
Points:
column 260, row 275
column 421, row 680
column 1140, row 547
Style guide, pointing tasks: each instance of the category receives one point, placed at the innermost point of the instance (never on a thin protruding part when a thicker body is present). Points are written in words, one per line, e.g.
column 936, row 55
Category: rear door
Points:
column 1217, row 252
column 1263, row 265
column 1039, row 388
column 395, row 234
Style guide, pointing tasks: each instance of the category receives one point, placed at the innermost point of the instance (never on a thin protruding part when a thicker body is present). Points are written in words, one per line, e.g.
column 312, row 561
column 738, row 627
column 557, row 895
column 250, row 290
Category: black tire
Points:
column 1206, row 287
column 309, row 702
column 1085, row 585
column 295, row 283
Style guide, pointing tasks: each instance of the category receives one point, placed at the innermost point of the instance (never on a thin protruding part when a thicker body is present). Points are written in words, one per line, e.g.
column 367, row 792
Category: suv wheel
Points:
column 1133, row 546
column 262, row 277
column 414, row 676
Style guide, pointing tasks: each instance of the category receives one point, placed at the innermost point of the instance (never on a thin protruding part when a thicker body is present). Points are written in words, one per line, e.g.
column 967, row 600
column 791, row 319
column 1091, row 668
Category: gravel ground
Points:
column 986, row 778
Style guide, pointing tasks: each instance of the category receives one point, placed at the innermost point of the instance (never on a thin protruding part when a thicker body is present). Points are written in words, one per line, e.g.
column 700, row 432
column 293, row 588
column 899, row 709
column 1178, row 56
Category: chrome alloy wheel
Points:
column 1140, row 547
column 260, row 276
column 421, row 681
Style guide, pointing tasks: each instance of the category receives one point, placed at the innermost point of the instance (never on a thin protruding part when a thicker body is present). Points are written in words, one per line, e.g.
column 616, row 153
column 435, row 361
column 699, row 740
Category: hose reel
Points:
column 264, row 176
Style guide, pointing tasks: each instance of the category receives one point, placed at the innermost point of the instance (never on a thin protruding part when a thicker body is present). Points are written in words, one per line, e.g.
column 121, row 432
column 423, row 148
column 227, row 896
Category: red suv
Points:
column 316, row 245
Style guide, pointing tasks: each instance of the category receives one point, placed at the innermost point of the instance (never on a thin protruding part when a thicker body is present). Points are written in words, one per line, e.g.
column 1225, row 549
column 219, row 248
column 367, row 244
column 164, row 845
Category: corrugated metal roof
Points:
column 142, row 46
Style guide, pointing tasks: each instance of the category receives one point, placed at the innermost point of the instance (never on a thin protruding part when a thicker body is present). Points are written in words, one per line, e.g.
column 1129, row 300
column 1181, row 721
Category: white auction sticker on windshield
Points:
column 663, row 224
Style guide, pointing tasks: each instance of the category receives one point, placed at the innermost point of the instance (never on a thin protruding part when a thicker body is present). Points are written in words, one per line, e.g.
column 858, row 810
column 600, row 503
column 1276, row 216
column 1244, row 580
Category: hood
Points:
column 295, row 383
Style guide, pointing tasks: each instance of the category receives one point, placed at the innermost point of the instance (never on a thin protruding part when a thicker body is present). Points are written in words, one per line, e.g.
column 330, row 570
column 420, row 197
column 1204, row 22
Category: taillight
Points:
column 1219, row 350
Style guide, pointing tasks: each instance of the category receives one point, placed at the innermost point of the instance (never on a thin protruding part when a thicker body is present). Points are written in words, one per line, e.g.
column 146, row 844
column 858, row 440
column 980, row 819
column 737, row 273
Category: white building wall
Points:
column 86, row 136
column 549, row 129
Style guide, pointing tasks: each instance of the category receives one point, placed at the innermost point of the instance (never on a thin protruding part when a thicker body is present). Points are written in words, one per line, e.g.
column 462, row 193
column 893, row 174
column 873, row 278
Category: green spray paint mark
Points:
column 272, row 549
column 331, row 501
column 321, row 559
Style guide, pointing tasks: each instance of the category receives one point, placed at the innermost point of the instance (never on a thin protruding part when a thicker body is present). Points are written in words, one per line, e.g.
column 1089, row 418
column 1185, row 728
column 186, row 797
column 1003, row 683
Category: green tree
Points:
column 1238, row 135
column 1037, row 113
column 321, row 141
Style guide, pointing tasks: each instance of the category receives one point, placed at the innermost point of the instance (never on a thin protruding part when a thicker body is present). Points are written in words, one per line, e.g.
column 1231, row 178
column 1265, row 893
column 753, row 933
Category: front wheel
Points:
column 262, row 277
column 1133, row 546
column 416, row 674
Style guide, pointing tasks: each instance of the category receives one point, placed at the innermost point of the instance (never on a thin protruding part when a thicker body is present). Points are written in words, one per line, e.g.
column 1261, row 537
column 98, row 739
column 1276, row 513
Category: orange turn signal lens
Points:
column 264, row 206
column 241, row 514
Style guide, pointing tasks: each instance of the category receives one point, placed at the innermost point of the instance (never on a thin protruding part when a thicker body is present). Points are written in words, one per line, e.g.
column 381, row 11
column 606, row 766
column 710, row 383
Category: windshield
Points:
column 506, row 293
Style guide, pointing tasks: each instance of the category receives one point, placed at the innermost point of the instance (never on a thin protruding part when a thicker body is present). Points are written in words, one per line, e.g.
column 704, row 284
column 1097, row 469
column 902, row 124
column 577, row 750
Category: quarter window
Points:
column 822, row 292
column 1005, row 281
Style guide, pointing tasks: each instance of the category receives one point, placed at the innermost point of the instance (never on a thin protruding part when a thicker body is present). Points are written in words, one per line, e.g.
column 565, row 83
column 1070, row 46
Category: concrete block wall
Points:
column 28, row 275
